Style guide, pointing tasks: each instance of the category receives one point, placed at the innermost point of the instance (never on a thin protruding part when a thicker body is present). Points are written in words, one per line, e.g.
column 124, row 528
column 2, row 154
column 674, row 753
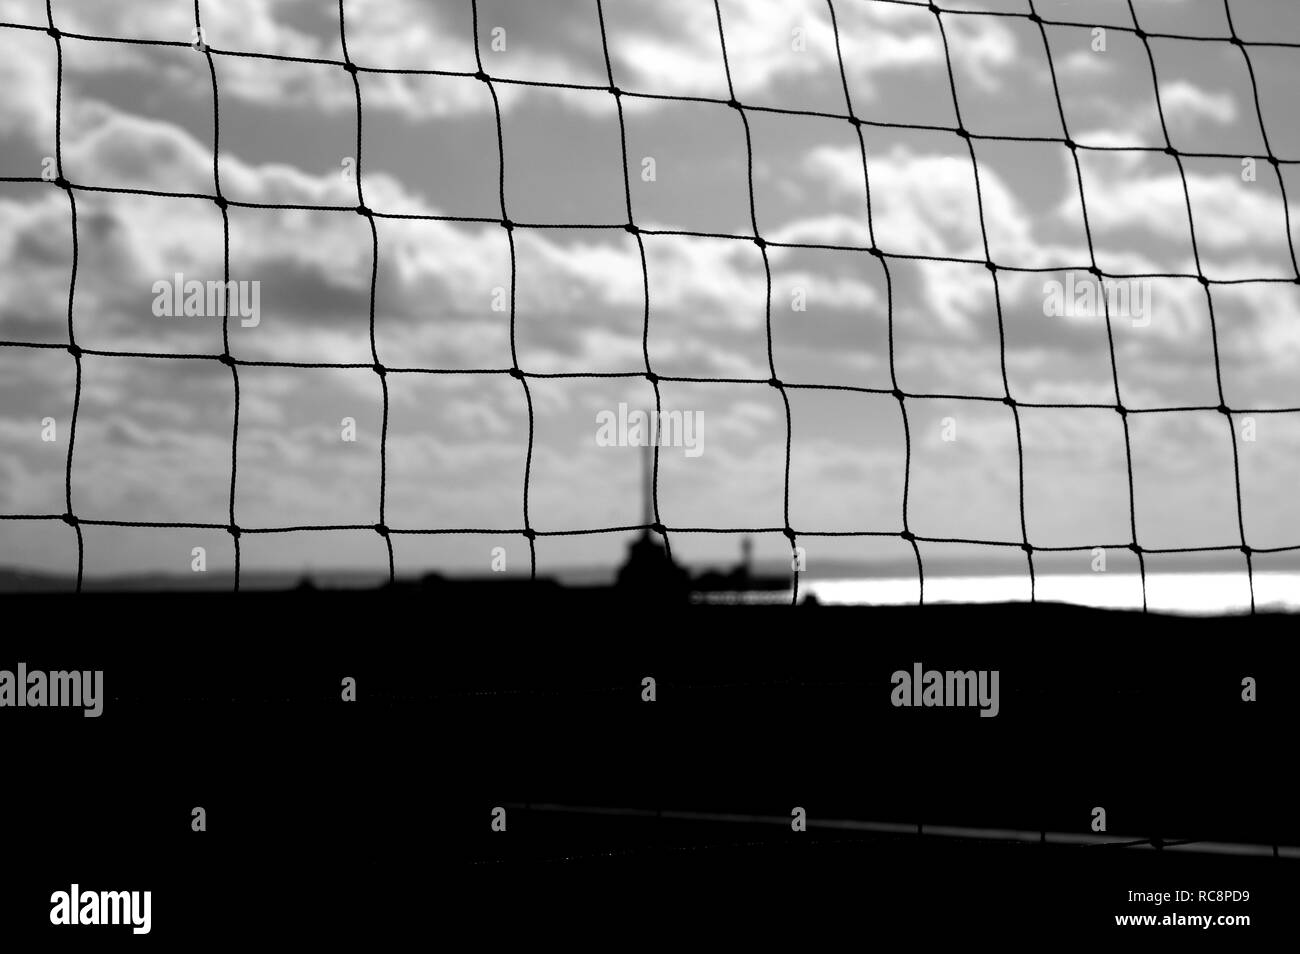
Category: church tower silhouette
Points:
column 649, row 566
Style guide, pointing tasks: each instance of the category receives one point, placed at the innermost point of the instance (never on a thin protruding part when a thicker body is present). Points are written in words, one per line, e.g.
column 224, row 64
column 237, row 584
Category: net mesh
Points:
column 383, row 369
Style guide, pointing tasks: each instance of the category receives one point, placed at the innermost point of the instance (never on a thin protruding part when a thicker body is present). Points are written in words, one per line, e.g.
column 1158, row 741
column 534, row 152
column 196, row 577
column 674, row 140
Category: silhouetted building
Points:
column 649, row 566
column 741, row 578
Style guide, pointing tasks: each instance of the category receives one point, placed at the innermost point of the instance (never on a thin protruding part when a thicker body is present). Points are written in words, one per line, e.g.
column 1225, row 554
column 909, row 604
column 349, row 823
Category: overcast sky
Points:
column 153, row 436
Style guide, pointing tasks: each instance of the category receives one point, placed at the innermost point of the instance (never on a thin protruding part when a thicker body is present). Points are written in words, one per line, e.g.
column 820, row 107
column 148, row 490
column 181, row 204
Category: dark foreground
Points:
column 330, row 820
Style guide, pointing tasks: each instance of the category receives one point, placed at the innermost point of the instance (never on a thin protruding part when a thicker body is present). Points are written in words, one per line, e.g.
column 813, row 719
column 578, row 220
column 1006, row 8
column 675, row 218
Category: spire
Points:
column 649, row 567
column 648, row 488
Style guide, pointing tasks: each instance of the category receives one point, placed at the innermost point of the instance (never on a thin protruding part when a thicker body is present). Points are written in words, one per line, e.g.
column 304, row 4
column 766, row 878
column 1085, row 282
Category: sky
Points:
column 154, row 435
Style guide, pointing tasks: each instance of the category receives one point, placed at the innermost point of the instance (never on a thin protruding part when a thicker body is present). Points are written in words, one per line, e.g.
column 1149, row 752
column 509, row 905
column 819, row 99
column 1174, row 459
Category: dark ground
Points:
column 328, row 818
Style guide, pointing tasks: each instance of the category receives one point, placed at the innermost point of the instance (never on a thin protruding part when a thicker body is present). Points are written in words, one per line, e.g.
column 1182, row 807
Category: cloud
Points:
column 1186, row 103
column 27, row 69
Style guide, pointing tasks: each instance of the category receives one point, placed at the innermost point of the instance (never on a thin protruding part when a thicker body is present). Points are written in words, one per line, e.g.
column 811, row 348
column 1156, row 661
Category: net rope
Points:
column 742, row 110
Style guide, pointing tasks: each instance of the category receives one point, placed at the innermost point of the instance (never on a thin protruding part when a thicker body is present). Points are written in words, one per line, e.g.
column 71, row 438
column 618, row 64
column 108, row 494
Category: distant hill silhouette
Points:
column 762, row 574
